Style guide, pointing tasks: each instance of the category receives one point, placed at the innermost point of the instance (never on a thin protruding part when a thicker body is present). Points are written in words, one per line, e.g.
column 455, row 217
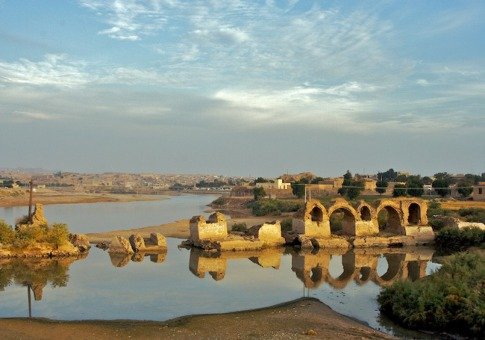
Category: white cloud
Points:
column 129, row 19
column 55, row 70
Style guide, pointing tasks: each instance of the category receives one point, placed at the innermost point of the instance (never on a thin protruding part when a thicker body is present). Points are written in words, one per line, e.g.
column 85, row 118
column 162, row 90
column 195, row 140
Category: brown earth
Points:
column 299, row 319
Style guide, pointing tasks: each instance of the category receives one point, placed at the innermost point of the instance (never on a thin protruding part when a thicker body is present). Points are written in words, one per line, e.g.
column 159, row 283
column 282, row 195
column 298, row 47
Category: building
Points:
column 478, row 193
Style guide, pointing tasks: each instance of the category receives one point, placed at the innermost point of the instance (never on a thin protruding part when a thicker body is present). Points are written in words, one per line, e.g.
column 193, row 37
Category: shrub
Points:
column 473, row 214
column 450, row 300
column 7, row 234
column 241, row 227
column 449, row 240
column 218, row 201
column 268, row 206
column 58, row 234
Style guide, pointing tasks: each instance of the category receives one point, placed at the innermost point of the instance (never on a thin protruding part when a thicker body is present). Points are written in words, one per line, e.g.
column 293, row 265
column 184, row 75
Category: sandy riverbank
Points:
column 297, row 319
column 21, row 198
column 177, row 229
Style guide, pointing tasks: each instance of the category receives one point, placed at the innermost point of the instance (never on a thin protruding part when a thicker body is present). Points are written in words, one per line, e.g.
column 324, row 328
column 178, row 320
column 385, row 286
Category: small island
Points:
column 33, row 237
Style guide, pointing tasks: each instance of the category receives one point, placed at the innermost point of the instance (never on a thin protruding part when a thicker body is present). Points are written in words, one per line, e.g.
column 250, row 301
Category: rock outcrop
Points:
column 120, row 245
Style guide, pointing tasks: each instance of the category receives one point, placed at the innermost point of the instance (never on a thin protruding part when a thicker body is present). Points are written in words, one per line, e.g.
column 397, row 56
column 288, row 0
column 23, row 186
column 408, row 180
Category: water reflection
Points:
column 315, row 268
column 121, row 260
column 35, row 274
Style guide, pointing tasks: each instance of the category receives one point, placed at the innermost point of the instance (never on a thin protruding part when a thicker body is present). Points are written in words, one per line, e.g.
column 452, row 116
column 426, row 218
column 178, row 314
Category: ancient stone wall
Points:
column 312, row 220
column 215, row 228
column 268, row 233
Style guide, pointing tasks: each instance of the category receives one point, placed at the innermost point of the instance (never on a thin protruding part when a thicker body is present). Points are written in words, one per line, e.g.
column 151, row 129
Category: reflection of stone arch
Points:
column 310, row 268
column 414, row 213
column 348, row 264
column 350, row 216
column 394, row 270
column 394, row 222
column 363, row 275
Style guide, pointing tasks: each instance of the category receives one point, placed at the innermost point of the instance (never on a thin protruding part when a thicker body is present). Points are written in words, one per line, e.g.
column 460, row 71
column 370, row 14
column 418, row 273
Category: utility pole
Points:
column 31, row 184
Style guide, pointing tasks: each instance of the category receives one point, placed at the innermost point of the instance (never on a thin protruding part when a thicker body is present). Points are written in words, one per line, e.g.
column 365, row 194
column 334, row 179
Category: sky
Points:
column 243, row 88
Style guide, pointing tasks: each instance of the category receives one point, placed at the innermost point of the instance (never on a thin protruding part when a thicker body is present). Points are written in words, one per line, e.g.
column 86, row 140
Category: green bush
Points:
column 263, row 207
column 450, row 300
column 241, row 227
column 473, row 214
column 219, row 201
column 453, row 239
column 7, row 234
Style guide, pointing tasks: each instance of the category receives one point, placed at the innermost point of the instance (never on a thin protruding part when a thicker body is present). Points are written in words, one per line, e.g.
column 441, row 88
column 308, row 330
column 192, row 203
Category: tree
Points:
column 381, row 186
column 298, row 187
column 387, row 176
column 399, row 190
column 464, row 189
column 427, row 180
column 415, row 186
column 259, row 193
column 316, row 180
column 441, row 186
column 350, row 188
column 444, row 176
column 260, row 180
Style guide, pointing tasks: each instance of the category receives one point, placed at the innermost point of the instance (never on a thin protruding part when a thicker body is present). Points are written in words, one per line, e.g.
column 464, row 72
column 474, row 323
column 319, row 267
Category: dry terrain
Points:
column 299, row 319
column 456, row 205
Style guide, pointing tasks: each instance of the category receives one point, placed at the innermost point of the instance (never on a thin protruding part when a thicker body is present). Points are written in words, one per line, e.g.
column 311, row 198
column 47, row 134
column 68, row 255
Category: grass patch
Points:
column 240, row 227
column 450, row 300
column 275, row 207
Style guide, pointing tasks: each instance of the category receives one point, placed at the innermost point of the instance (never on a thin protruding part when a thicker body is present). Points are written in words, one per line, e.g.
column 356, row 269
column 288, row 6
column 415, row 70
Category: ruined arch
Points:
column 365, row 213
column 348, row 219
column 316, row 214
column 389, row 217
column 414, row 214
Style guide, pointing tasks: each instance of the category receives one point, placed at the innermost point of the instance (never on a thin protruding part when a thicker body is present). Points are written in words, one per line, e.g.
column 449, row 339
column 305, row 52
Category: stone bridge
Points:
column 404, row 216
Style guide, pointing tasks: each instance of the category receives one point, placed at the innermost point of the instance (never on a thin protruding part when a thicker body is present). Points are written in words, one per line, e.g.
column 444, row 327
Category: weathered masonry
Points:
column 402, row 217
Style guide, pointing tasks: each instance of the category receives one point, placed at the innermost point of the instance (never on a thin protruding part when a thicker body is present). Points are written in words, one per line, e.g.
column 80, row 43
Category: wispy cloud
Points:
column 55, row 70
column 130, row 19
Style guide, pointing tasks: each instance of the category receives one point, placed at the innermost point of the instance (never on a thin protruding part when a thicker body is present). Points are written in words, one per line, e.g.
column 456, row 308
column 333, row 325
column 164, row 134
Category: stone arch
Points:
column 393, row 223
column 350, row 216
column 414, row 213
column 365, row 214
column 316, row 214
column 394, row 270
column 311, row 220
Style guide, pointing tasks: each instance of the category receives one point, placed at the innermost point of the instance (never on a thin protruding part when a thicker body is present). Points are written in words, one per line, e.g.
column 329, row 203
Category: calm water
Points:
column 97, row 217
column 182, row 282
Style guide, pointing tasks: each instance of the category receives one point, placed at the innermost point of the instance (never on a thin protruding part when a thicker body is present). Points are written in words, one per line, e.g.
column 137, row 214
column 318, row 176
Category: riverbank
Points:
column 293, row 320
column 177, row 229
column 21, row 198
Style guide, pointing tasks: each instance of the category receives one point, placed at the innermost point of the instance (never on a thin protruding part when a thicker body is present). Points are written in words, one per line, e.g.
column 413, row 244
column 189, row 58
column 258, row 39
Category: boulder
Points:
column 137, row 242
column 120, row 245
column 158, row 240
column 80, row 241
